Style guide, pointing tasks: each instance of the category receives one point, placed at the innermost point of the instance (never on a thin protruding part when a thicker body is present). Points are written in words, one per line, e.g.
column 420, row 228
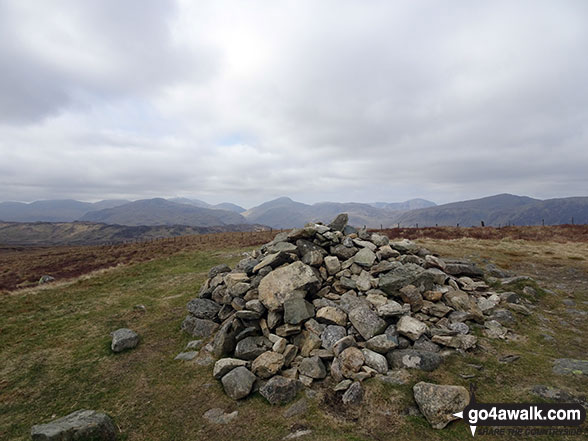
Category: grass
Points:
column 55, row 356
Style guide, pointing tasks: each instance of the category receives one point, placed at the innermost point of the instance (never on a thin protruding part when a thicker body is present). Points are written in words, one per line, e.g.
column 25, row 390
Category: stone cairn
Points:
column 336, row 301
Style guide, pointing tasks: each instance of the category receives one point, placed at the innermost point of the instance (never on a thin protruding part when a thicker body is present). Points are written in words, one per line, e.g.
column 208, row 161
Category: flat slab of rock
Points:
column 414, row 359
column 438, row 403
column 219, row 416
column 565, row 366
column 186, row 356
column 79, row 425
column 124, row 338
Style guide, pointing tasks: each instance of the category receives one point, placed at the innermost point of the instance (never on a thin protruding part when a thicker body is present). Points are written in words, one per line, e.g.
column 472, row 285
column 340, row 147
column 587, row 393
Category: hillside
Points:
column 159, row 211
column 503, row 209
column 199, row 203
column 88, row 233
column 63, row 361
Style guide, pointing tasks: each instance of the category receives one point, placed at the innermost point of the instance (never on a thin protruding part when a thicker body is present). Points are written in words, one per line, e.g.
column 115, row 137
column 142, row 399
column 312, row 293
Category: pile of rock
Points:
column 335, row 301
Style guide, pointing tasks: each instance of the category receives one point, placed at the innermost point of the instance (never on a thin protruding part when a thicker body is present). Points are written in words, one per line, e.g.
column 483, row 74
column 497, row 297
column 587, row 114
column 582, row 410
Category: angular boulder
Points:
column 238, row 382
column 367, row 323
column 124, row 338
column 286, row 282
column 279, row 390
column 438, row 402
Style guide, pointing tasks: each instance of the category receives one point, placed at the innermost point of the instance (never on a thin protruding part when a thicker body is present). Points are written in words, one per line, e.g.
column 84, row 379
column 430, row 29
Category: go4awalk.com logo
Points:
column 509, row 418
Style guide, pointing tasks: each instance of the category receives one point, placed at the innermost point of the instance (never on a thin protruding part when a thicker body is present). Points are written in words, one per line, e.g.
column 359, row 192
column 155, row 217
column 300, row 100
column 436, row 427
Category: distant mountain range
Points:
column 159, row 211
column 286, row 213
column 502, row 209
column 283, row 212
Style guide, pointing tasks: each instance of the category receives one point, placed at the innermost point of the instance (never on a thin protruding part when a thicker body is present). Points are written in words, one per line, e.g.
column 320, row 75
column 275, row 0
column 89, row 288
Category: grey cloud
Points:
column 332, row 100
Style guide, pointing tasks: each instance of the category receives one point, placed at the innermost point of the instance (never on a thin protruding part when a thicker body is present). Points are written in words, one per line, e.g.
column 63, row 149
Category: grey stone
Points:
column 219, row 269
column 285, row 247
column 199, row 327
column 342, row 344
column 411, row 327
column 457, row 269
column 246, row 265
column 331, row 335
column 411, row 295
column 332, row 315
column 414, row 359
column 313, row 367
column 226, row 365
column 366, row 322
column 313, row 258
column 340, row 222
column 194, row 344
column 380, row 240
column 424, row 344
column 286, row 282
column 351, row 360
column 224, row 340
column 438, row 403
column 219, row 416
column 382, row 343
column 79, row 425
column 565, row 366
column 375, row 361
column 238, row 382
column 343, row 385
column 332, row 264
column 504, row 317
column 343, row 252
column 252, row 347
column 267, row 364
column 460, row 341
column 297, row 310
column 272, row 261
column 279, row 390
column 186, row 356
column 46, row 279
column 353, row 395
column 124, row 338
column 461, row 301
column 400, row 276
column 393, row 309
column 365, row 257
column 405, row 246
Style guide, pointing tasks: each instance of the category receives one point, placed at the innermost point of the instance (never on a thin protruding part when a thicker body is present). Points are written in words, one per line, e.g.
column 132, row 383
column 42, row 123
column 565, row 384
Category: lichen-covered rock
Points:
column 124, row 338
column 238, row 382
column 414, row 359
column 366, row 322
column 79, row 425
column 267, row 364
column 279, row 390
column 438, row 403
column 286, row 282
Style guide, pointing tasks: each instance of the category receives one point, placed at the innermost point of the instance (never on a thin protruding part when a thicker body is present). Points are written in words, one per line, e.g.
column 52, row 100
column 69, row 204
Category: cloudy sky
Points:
column 319, row 100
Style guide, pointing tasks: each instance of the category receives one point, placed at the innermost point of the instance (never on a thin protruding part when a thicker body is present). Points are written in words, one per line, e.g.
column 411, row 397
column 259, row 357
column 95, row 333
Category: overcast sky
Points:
column 318, row 100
